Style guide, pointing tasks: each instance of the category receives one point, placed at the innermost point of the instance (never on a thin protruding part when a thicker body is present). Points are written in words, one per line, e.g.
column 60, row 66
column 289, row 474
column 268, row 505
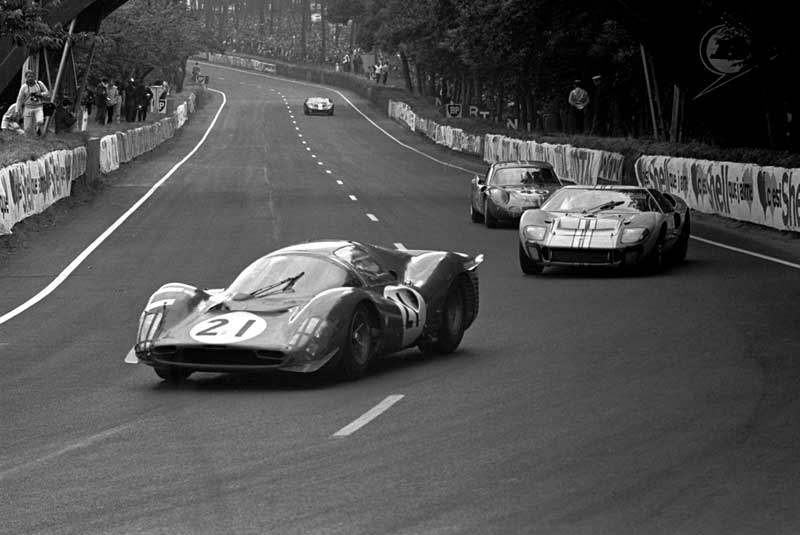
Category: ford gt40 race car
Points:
column 324, row 304
column 510, row 188
column 604, row 226
column 318, row 106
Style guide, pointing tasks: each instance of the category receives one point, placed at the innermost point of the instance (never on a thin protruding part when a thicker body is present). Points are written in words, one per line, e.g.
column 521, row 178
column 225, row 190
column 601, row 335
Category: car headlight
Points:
column 633, row 235
column 534, row 232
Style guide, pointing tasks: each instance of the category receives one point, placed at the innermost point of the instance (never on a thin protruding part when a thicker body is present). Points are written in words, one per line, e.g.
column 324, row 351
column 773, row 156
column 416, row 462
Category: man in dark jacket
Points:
column 143, row 96
column 64, row 117
column 129, row 99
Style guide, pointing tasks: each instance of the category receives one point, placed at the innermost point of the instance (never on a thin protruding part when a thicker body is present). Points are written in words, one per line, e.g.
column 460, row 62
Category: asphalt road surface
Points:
column 579, row 402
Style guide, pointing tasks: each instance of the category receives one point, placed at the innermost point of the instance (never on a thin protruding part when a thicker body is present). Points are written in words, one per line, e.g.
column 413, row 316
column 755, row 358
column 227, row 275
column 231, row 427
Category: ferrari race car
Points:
column 323, row 304
column 318, row 106
column 510, row 188
column 604, row 226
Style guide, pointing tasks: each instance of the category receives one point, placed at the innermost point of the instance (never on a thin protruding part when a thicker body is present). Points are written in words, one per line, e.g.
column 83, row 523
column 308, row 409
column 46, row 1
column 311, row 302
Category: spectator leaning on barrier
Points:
column 11, row 119
column 30, row 100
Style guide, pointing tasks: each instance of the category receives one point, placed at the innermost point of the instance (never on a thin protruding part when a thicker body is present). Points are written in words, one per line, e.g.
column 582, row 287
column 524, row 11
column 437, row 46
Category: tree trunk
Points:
column 420, row 80
column 305, row 6
column 324, row 31
column 272, row 15
column 262, row 17
column 406, row 72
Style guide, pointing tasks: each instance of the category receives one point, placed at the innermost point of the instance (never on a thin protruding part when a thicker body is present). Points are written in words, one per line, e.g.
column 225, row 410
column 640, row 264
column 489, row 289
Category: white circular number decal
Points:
column 228, row 328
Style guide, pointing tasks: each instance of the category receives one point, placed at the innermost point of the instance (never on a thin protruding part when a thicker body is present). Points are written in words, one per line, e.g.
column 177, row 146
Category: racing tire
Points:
column 655, row 261
column 682, row 247
column 330, row 113
column 474, row 215
column 359, row 347
column 528, row 266
column 305, row 111
column 173, row 375
column 452, row 323
column 488, row 218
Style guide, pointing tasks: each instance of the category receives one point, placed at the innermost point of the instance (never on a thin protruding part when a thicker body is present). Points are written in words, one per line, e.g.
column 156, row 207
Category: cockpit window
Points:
column 319, row 274
column 362, row 262
column 527, row 176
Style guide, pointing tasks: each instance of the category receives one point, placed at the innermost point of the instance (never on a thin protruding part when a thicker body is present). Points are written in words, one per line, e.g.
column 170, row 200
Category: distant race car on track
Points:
column 604, row 226
column 510, row 188
column 318, row 106
column 323, row 304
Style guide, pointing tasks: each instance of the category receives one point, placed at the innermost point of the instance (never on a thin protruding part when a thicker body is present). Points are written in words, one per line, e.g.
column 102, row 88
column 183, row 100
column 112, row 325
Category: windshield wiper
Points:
column 604, row 206
column 285, row 285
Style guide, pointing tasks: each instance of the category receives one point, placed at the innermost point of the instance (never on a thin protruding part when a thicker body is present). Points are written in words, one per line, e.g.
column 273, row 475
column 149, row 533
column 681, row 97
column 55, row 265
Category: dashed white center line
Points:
column 320, row 163
column 297, row 128
column 400, row 246
column 328, row 171
column 340, row 182
column 313, row 155
column 368, row 416
column 372, row 217
column 299, row 135
column 303, row 142
column 308, row 148
column 353, row 198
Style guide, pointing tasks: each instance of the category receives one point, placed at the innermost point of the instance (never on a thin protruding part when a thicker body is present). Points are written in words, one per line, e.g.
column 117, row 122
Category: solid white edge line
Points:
column 61, row 277
column 368, row 416
column 400, row 247
column 373, row 217
column 749, row 253
column 373, row 123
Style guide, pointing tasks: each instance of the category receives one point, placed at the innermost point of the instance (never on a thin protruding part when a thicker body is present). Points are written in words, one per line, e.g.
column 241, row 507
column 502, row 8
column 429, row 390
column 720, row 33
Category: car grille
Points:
column 582, row 256
column 221, row 355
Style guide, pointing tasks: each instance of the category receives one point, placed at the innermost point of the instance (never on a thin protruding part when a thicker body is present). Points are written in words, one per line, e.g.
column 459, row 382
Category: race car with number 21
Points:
column 333, row 305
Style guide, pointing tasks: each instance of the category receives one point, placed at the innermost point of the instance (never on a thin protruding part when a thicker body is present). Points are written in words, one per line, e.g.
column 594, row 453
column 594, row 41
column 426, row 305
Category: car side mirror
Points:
column 478, row 180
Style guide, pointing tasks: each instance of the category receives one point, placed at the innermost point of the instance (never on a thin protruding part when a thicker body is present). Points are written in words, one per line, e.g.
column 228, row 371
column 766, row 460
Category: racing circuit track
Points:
column 579, row 403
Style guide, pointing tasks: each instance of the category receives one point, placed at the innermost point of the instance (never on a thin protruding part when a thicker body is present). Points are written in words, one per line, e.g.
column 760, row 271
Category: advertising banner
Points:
column 763, row 195
column 28, row 188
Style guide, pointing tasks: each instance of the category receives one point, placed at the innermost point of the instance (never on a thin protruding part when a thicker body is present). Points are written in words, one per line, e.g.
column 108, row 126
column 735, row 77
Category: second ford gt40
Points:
column 324, row 304
column 510, row 188
column 604, row 226
column 318, row 106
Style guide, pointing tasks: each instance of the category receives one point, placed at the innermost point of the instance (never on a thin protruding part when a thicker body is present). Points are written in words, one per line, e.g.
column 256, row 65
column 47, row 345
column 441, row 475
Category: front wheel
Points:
column 655, row 262
column 488, row 218
column 173, row 375
column 452, row 323
column 359, row 346
column 528, row 266
column 682, row 247
column 474, row 215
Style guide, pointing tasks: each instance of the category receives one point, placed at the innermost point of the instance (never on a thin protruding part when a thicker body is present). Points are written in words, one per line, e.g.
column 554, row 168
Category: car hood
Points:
column 594, row 231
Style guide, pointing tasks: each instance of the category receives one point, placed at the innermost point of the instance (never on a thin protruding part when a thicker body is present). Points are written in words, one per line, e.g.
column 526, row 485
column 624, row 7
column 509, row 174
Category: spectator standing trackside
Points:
column 578, row 99
column 64, row 116
column 30, row 100
column 143, row 101
column 196, row 72
column 112, row 99
column 88, row 101
column 118, row 105
column 601, row 101
column 11, row 120
column 384, row 73
column 101, row 98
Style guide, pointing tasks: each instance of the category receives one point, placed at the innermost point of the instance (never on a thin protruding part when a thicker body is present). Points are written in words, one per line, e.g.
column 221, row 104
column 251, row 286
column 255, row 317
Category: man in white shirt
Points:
column 578, row 99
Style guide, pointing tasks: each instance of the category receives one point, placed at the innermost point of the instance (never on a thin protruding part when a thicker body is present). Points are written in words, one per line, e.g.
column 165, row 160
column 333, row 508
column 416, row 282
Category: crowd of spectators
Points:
column 110, row 101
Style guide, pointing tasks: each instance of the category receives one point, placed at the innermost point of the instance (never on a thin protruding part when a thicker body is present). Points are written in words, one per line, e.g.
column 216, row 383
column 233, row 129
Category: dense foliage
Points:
column 24, row 22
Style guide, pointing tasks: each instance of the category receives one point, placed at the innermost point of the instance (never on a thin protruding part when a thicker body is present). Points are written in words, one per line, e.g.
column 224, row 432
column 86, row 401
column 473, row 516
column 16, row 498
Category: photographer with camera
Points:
column 30, row 100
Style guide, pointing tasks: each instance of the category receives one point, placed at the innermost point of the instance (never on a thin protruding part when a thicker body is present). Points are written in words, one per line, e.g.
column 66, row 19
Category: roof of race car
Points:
column 615, row 187
column 311, row 99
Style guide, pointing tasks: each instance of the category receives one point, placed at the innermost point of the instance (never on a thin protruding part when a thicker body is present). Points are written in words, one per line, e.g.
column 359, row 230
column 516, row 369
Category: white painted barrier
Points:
column 453, row 138
column 746, row 192
column 28, row 188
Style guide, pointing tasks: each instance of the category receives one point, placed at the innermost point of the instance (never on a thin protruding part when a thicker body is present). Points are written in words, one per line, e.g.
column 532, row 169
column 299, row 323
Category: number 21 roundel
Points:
column 228, row 328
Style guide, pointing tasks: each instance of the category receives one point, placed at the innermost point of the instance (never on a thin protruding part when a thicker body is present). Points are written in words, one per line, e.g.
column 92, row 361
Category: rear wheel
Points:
column 655, row 262
column 528, row 266
column 173, row 375
column 359, row 346
column 452, row 323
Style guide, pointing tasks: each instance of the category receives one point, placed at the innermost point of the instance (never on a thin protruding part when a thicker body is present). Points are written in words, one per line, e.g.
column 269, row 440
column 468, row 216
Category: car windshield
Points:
column 589, row 200
column 524, row 176
column 318, row 274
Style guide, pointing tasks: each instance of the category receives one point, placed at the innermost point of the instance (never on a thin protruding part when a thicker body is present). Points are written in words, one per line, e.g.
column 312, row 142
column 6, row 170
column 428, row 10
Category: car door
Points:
column 671, row 217
column 478, row 190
